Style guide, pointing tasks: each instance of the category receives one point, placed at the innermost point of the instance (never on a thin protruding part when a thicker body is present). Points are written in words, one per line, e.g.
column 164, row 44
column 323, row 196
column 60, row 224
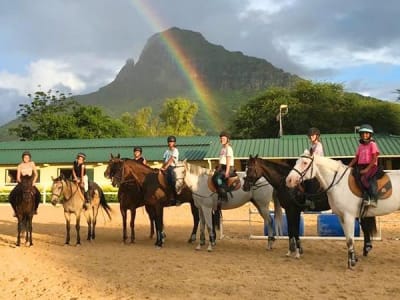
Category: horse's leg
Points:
column 152, row 221
column 296, row 231
column 133, row 217
column 207, row 211
column 196, row 219
column 88, row 216
column 124, row 212
column 202, row 240
column 368, row 226
column 264, row 212
column 19, row 229
column 159, row 225
column 291, row 234
column 347, row 222
column 29, row 229
column 68, row 227
column 94, row 221
column 78, row 227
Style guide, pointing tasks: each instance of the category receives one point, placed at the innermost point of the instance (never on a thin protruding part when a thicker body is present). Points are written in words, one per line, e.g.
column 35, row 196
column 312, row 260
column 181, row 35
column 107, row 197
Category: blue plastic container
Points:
column 329, row 225
column 284, row 226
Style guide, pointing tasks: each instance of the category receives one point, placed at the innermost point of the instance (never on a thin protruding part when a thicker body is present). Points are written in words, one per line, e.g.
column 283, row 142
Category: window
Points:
column 11, row 176
column 67, row 172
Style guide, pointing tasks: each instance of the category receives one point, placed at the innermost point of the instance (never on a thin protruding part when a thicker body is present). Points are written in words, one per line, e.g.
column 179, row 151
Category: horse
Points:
column 334, row 177
column 73, row 201
column 147, row 187
column 292, row 200
column 23, row 202
column 197, row 178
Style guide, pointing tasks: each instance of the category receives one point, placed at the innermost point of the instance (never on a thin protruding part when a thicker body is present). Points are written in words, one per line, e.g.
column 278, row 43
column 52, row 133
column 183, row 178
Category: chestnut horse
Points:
column 130, row 177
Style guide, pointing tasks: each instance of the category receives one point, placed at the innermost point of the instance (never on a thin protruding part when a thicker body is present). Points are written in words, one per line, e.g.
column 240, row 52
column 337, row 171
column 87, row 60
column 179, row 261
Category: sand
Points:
column 238, row 268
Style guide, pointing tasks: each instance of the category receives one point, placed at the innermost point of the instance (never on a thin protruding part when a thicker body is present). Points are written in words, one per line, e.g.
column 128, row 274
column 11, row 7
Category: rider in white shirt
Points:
column 171, row 156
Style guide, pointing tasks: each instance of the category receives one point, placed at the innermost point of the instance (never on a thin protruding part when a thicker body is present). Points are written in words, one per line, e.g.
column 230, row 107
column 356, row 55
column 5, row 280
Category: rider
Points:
column 316, row 145
column 137, row 155
column 26, row 168
column 311, row 186
column 79, row 176
column 225, row 168
column 171, row 157
column 366, row 161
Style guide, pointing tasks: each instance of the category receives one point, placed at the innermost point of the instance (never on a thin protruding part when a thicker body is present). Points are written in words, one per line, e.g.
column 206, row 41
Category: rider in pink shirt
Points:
column 366, row 161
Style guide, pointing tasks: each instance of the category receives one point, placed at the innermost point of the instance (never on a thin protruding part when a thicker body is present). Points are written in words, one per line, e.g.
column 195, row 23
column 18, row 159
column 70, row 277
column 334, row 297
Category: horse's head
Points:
column 253, row 173
column 180, row 173
column 114, row 170
column 57, row 189
column 302, row 170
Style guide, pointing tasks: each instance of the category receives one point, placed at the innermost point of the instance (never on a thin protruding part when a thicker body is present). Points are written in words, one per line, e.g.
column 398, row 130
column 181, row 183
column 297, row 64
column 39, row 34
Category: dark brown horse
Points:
column 23, row 199
column 293, row 201
column 135, row 191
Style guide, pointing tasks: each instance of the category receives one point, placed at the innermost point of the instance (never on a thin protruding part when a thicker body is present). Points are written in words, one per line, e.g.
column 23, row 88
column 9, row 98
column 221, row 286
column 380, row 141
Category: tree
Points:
column 322, row 105
column 52, row 115
column 177, row 117
column 141, row 123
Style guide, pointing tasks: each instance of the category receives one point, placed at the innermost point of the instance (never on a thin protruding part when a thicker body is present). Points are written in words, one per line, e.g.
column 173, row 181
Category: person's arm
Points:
column 228, row 166
column 167, row 163
column 73, row 173
column 144, row 161
column 82, row 174
column 353, row 161
column 19, row 173
column 35, row 173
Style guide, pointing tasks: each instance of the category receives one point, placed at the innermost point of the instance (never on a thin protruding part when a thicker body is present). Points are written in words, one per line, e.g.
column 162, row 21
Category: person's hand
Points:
column 226, row 174
column 363, row 171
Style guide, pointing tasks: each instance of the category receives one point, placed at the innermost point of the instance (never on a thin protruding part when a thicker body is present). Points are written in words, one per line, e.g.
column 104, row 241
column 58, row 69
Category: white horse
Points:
column 334, row 178
column 196, row 178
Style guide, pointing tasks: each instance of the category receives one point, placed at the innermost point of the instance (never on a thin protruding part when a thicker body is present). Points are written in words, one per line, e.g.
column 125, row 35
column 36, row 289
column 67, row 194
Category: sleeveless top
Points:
column 140, row 160
column 26, row 169
column 78, row 169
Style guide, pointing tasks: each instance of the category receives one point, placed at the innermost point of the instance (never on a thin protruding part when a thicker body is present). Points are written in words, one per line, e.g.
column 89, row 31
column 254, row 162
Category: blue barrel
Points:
column 329, row 225
column 284, row 226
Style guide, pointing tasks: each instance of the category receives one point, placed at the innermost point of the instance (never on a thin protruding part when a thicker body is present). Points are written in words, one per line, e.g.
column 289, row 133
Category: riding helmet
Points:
column 137, row 149
column 81, row 154
column 225, row 134
column 366, row 128
column 26, row 153
column 171, row 138
column 312, row 131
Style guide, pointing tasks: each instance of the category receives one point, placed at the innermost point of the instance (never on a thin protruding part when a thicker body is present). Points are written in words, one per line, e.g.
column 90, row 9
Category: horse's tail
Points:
column 278, row 214
column 368, row 226
column 104, row 204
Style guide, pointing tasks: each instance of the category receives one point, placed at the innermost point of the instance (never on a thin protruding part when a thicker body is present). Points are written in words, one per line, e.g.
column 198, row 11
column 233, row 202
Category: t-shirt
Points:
column 171, row 153
column 224, row 153
column 317, row 149
column 365, row 152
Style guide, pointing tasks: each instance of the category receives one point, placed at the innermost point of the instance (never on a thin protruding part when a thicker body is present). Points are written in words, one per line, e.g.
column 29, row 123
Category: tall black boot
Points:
column 373, row 192
column 87, row 200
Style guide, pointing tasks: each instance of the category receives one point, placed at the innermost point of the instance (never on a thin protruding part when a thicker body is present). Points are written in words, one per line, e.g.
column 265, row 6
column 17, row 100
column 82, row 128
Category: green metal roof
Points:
column 292, row 146
column 99, row 150
column 191, row 148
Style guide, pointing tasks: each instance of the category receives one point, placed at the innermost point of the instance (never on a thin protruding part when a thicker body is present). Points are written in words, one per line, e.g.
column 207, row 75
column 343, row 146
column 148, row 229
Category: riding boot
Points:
column 87, row 200
column 373, row 193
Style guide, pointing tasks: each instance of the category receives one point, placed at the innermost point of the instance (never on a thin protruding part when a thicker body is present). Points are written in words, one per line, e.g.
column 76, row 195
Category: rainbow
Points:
column 183, row 61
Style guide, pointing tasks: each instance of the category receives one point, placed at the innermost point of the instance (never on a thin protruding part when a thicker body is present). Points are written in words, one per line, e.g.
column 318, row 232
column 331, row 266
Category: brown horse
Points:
column 73, row 204
column 23, row 199
column 130, row 176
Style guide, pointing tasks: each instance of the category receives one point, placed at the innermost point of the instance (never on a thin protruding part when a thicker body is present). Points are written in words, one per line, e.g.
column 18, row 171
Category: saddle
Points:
column 383, row 183
column 233, row 183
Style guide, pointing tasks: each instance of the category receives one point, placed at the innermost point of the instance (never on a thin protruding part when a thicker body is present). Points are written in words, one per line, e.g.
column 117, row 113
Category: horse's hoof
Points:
column 210, row 248
column 198, row 248
column 288, row 253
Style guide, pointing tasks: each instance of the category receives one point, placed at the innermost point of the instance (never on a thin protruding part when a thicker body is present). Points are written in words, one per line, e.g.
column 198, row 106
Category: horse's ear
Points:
column 111, row 156
column 255, row 157
column 185, row 161
column 251, row 156
column 52, row 178
column 119, row 155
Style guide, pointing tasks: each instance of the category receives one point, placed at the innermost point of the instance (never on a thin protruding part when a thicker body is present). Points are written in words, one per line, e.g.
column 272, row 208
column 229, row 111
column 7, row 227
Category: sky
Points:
column 79, row 46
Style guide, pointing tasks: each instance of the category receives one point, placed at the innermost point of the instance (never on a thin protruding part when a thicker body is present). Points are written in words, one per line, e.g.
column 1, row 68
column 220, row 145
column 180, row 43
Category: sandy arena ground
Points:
column 238, row 268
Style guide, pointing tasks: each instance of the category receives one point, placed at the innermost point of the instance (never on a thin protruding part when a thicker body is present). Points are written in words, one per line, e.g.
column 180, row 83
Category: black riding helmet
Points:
column 137, row 149
column 171, row 138
column 26, row 153
column 81, row 154
column 313, row 130
column 225, row 134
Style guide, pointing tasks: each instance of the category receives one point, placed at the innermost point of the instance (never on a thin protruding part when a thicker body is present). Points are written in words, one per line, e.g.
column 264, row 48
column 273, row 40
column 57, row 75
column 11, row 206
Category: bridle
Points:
column 311, row 165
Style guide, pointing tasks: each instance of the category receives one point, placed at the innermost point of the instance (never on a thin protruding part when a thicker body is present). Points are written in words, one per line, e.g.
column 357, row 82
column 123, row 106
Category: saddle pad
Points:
column 384, row 187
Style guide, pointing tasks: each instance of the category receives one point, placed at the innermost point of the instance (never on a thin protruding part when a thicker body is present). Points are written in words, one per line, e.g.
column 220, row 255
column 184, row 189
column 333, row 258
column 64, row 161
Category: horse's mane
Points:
column 197, row 170
column 332, row 164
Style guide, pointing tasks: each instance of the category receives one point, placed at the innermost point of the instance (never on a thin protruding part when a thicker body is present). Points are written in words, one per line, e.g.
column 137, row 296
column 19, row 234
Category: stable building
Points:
column 55, row 157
